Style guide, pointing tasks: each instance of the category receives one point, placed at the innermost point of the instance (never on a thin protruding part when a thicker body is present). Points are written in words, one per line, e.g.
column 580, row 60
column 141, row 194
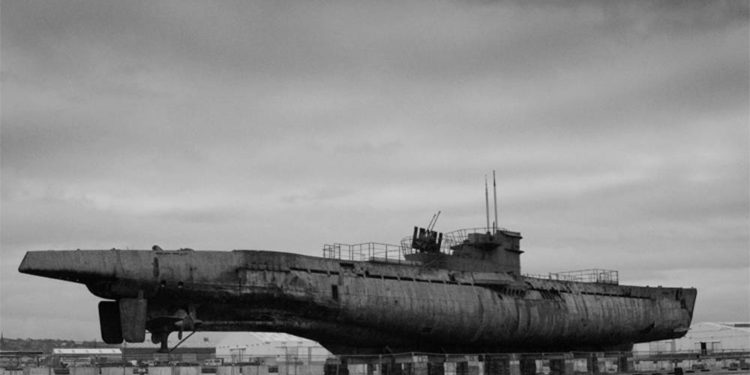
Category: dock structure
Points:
column 568, row 363
column 483, row 364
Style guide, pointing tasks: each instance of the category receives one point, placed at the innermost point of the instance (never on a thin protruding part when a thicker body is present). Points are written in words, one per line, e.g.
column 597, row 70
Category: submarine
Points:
column 453, row 292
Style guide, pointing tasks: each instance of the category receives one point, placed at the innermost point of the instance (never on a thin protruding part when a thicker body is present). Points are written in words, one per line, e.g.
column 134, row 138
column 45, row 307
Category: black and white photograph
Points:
column 446, row 187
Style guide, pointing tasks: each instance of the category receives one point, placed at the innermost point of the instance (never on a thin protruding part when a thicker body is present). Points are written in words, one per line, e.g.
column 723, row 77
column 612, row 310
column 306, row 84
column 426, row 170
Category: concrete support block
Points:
column 496, row 365
column 592, row 364
column 227, row 370
column 83, row 370
column 391, row 367
column 112, row 371
column 528, row 366
column 159, row 370
column 476, row 368
column 251, row 370
column 462, row 368
column 514, row 364
column 419, row 368
column 436, row 368
column 450, row 368
column 469, row 368
column 335, row 369
column 569, row 364
column 625, row 364
column 557, row 366
column 45, row 371
column 385, row 368
column 186, row 370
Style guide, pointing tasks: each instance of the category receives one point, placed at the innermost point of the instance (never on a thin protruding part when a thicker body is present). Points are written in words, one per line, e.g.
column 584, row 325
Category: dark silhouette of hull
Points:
column 431, row 303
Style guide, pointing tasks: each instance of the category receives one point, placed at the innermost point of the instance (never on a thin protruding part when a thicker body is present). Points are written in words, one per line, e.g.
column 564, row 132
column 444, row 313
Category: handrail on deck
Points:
column 593, row 275
column 364, row 251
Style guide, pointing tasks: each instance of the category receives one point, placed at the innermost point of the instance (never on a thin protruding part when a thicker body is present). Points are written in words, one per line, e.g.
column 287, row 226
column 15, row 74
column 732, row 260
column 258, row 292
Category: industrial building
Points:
column 77, row 357
column 705, row 346
column 704, row 338
column 248, row 346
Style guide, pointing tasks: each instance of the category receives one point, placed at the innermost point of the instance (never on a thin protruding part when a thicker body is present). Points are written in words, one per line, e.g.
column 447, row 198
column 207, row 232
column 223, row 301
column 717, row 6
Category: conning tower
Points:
column 490, row 248
column 503, row 248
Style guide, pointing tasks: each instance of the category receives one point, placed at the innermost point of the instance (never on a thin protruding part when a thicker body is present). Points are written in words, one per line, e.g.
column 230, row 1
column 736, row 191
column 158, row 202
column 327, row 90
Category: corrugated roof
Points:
column 92, row 351
column 716, row 326
column 239, row 339
column 745, row 326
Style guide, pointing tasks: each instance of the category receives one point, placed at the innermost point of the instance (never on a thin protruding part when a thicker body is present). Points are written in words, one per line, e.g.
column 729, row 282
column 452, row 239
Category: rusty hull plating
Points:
column 470, row 298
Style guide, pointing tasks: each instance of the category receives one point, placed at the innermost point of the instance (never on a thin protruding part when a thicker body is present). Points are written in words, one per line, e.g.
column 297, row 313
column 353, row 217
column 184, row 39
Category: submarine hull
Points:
column 354, row 307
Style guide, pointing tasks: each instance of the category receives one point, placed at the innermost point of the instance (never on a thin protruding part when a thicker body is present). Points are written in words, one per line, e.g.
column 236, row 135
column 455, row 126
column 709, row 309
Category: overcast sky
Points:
column 618, row 130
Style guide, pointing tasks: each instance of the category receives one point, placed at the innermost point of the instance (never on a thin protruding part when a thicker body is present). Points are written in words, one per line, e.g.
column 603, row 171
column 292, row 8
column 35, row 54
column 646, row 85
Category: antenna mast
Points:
column 487, row 203
column 494, row 190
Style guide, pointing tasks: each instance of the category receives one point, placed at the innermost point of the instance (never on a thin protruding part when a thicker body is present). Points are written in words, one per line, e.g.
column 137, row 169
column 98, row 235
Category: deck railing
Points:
column 364, row 251
column 583, row 276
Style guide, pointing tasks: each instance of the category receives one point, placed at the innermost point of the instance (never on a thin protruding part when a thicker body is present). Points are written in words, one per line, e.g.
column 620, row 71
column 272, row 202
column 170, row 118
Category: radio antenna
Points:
column 494, row 190
column 487, row 203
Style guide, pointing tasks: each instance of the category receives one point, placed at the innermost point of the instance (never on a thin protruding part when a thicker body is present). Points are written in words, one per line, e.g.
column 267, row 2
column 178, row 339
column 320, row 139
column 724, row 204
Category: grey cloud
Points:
column 305, row 40
column 618, row 130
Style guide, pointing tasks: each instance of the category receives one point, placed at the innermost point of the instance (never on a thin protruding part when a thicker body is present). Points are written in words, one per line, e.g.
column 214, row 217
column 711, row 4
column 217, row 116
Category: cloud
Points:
column 618, row 130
